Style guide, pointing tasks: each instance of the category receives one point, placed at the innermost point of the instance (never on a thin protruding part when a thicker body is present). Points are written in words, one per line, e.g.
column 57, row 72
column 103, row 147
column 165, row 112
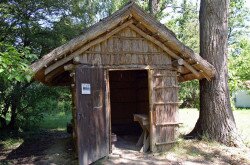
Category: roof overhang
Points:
column 190, row 65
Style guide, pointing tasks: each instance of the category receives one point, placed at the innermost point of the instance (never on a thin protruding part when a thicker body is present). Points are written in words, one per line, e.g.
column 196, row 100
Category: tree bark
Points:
column 153, row 6
column 216, row 120
column 3, row 114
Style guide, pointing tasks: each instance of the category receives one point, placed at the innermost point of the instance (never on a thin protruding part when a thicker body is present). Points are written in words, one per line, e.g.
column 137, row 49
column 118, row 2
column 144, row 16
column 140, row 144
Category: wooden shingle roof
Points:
column 194, row 65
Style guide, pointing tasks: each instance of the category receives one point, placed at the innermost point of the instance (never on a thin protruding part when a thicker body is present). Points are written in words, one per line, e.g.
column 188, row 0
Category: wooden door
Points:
column 164, row 109
column 92, row 123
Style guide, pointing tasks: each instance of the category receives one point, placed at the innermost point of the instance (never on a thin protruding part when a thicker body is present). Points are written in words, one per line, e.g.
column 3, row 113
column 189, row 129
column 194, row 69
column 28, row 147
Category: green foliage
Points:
column 239, row 47
column 56, row 121
column 189, row 94
column 239, row 65
column 36, row 27
column 160, row 14
column 14, row 63
column 185, row 24
column 40, row 100
column 238, row 21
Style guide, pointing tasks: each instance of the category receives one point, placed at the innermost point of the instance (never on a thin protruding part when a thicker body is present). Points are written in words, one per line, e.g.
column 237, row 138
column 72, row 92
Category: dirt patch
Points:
column 56, row 147
column 186, row 152
column 44, row 148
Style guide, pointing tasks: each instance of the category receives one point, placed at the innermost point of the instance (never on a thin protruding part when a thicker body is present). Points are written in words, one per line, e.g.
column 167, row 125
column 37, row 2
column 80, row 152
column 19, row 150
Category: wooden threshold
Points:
column 165, row 143
column 168, row 124
column 166, row 103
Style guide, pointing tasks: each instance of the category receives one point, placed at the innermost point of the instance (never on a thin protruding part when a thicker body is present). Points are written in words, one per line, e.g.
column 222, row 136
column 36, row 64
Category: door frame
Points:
column 108, row 101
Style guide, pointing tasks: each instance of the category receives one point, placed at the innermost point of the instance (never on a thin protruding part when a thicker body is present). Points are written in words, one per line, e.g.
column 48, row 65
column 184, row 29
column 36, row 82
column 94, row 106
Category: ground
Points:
column 54, row 146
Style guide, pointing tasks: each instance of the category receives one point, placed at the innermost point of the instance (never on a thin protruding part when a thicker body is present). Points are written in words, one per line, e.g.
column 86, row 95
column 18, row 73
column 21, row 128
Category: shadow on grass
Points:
column 39, row 147
column 210, row 156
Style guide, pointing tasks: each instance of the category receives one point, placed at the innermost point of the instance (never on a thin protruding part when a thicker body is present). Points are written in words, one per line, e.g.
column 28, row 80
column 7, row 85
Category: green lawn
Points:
column 56, row 121
column 242, row 118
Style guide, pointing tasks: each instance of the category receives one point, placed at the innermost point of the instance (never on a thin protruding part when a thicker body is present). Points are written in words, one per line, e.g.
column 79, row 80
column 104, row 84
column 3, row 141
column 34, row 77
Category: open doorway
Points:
column 129, row 95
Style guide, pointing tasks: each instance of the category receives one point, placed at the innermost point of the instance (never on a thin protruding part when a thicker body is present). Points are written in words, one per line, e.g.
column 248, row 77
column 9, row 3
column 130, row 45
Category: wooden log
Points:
column 182, row 70
column 165, row 143
column 69, row 67
column 187, row 77
column 178, row 62
column 192, row 69
column 49, row 77
column 123, row 52
column 166, row 87
column 167, row 103
column 168, row 124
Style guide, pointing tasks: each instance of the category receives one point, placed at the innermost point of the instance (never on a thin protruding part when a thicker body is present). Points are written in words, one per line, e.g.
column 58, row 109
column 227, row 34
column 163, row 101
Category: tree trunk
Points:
column 216, row 120
column 15, row 103
column 4, row 113
column 13, row 112
column 153, row 6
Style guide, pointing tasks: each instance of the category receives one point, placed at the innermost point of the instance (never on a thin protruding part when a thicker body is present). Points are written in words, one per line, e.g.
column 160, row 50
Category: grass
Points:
column 56, row 121
column 11, row 143
column 242, row 116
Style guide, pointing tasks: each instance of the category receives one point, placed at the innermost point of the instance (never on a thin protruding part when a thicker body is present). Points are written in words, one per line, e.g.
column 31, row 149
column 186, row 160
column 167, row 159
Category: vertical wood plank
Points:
column 151, row 111
column 91, row 116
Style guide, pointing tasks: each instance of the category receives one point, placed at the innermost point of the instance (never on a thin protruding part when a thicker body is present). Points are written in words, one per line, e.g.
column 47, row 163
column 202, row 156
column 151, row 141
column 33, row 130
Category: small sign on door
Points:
column 86, row 89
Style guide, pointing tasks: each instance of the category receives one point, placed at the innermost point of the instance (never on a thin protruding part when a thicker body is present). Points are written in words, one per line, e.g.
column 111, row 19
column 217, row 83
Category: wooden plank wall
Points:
column 92, row 137
column 125, row 48
column 165, row 109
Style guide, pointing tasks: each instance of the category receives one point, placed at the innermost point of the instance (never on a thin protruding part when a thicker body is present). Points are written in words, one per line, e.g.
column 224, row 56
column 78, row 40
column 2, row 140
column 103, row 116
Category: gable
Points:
column 126, row 47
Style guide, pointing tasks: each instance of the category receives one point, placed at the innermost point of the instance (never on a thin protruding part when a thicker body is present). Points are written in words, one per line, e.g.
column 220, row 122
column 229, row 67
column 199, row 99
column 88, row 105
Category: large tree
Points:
column 216, row 120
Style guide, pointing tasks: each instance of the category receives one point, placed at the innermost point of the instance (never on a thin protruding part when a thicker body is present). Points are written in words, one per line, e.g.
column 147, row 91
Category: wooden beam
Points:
column 188, row 77
column 167, row 50
column 182, row 70
column 192, row 69
column 87, row 46
column 178, row 62
column 152, row 130
column 69, row 67
column 123, row 52
column 53, row 74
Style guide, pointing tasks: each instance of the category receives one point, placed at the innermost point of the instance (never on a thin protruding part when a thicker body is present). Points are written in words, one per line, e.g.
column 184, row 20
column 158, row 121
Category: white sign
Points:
column 86, row 89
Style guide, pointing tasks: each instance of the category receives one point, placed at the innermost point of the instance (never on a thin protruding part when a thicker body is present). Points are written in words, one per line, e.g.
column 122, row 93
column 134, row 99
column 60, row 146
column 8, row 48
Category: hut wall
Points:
column 125, row 48
column 129, row 50
column 164, row 109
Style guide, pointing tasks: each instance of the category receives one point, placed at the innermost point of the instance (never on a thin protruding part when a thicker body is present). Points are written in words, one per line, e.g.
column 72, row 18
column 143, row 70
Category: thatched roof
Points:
column 197, row 67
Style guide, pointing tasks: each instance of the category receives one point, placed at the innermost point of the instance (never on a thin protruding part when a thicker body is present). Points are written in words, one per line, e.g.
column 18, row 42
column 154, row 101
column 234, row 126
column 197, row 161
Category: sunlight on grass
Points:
column 12, row 143
column 56, row 121
column 189, row 116
column 242, row 118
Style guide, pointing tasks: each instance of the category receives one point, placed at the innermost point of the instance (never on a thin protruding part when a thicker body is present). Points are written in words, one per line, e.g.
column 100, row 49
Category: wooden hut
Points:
column 123, row 69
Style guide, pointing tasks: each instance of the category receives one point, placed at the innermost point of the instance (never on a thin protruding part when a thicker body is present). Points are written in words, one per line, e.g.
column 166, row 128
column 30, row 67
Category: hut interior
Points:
column 128, row 96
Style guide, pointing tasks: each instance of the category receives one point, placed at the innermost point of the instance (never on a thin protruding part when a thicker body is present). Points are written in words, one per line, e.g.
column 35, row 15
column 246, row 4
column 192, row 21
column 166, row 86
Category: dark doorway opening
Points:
column 128, row 96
